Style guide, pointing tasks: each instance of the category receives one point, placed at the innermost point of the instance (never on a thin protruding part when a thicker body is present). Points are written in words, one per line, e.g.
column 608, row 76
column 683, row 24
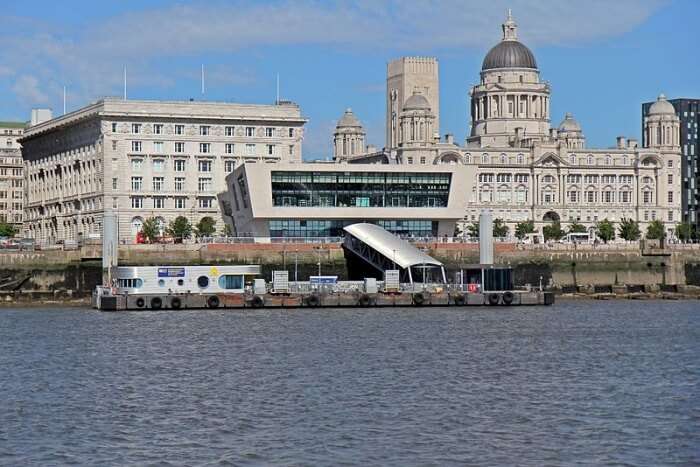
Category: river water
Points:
column 593, row 383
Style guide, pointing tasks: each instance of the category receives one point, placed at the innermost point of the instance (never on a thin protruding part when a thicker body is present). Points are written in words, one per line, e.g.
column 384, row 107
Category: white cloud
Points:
column 26, row 88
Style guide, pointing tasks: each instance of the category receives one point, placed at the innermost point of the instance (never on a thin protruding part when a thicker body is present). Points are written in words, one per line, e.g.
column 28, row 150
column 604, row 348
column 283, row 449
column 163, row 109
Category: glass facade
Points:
column 334, row 228
column 360, row 189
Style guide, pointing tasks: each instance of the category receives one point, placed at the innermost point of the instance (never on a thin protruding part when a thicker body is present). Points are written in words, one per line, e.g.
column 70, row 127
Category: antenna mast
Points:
column 202, row 78
column 124, row 82
column 277, row 101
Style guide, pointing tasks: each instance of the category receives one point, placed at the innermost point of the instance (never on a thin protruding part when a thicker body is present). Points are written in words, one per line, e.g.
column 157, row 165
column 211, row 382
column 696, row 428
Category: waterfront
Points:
column 583, row 381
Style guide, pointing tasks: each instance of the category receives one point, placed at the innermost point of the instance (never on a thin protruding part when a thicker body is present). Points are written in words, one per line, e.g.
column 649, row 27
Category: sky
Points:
column 603, row 58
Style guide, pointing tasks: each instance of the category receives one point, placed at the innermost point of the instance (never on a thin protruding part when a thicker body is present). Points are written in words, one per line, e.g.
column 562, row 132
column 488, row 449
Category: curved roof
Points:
column 662, row 107
column 416, row 102
column 389, row 245
column 569, row 124
column 509, row 54
column 348, row 120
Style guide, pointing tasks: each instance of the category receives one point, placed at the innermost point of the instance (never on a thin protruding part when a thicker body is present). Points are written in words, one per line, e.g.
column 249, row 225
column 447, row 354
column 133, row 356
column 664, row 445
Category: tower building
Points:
column 348, row 138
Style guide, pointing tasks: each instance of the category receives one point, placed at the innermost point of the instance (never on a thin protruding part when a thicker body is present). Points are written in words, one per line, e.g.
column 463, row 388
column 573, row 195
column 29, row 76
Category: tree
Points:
column 150, row 229
column 605, row 230
column 180, row 228
column 473, row 229
column 575, row 227
column 206, row 227
column 500, row 229
column 524, row 228
column 629, row 229
column 685, row 231
column 552, row 231
column 227, row 231
column 6, row 230
column 655, row 230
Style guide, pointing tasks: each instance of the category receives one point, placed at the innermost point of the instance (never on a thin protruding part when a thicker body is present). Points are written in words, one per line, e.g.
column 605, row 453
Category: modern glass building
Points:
column 319, row 200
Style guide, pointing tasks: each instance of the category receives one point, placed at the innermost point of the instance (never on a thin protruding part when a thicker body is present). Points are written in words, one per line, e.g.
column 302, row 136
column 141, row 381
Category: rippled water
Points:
column 603, row 383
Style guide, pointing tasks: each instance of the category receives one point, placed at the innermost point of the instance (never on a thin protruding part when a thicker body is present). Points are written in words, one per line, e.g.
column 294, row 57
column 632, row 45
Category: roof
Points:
column 662, row 107
column 509, row 54
column 390, row 246
column 13, row 124
column 569, row 124
column 416, row 102
column 348, row 120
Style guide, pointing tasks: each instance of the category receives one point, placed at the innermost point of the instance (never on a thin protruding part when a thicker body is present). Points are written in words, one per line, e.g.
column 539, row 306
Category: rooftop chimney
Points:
column 621, row 142
column 40, row 116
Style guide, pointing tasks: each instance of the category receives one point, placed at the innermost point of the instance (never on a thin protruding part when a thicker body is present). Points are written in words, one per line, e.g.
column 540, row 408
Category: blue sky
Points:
column 602, row 57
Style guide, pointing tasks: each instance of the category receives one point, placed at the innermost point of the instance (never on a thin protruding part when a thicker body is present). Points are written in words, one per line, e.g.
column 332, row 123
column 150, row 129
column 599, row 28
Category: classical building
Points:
column 146, row 159
column 11, row 173
column 523, row 167
column 688, row 111
column 319, row 200
column 348, row 138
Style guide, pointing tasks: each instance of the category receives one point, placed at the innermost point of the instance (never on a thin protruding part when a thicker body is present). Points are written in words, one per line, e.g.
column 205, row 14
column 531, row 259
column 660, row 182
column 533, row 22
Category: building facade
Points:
column 11, row 173
column 318, row 200
column 146, row 159
column 688, row 111
column 526, row 169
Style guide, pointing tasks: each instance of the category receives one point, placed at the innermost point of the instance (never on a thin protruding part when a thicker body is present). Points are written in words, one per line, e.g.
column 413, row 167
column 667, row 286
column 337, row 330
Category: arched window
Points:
column 484, row 158
column 589, row 160
column 548, row 179
column 624, row 160
column 572, row 159
column 467, row 158
column 647, row 180
column 608, row 160
column 521, row 158
column 503, row 158
column 136, row 225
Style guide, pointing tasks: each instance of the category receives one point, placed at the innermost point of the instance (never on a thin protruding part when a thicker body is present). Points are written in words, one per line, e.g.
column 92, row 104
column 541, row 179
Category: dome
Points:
column 348, row 120
column 569, row 124
column 509, row 54
column 416, row 102
column 662, row 107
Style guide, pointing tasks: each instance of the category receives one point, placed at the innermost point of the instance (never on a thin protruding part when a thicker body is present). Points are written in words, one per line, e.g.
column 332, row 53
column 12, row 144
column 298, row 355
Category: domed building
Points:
column 569, row 132
column 348, row 138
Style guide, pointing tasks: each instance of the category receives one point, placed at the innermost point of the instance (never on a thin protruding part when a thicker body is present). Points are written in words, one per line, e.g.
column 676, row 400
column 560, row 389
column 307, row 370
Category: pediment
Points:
column 550, row 160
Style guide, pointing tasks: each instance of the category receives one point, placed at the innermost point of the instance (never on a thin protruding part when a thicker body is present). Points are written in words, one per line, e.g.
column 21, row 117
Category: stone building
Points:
column 11, row 173
column 146, row 159
column 526, row 169
column 348, row 138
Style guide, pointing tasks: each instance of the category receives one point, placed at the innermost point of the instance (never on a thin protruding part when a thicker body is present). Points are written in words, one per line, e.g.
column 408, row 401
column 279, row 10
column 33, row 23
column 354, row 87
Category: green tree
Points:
column 6, row 230
column 685, row 231
column 575, row 227
column 180, row 228
column 227, row 231
column 629, row 229
column 500, row 229
column 206, row 227
column 473, row 230
column 553, row 231
column 524, row 228
column 655, row 230
column 605, row 230
column 150, row 229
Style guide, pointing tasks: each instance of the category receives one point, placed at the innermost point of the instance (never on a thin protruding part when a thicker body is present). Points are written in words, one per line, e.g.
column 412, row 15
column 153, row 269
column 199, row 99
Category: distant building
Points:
column 688, row 111
column 318, row 200
column 523, row 167
column 146, row 159
column 11, row 173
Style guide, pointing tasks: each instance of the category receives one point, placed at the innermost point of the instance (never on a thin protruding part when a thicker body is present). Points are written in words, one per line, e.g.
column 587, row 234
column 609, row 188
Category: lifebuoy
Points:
column 493, row 299
column 508, row 298
column 418, row 298
column 213, row 301
column 156, row 303
column 312, row 300
column 257, row 301
column 176, row 303
column 140, row 302
column 364, row 300
column 459, row 299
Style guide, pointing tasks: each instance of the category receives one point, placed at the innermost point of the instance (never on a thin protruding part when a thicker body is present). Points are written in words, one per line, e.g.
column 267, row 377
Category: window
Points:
column 250, row 131
column 422, row 160
column 608, row 197
column 136, row 165
column 136, row 146
column 410, row 160
column 136, row 183
column 485, row 178
column 204, row 184
column 204, row 148
column 250, row 149
column 521, row 178
column 573, row 196
column 589, row 160
column 646, row 197
column 114, row 183
column 591, row 196
column 206, row 203
column 653, row 215
column 158, row 147
column 291, row 150
column 484, row 158
column 270, row 150
column 179, row 165
column 608, row 160
column 204, row 130
column 270, row 132
column 670, row 179
column 229, row 148
column 179, row 183
column 670, row 197
column 291, row 132
column 228, row 281
column 520, row 158
column 625, row 196
column 157, row 129
column 203, row 282
column 114, row 127
column 229, row 131
column 137, row 202
column 179, row 147
column 179, row 129
column 670, row 216
column 158, row 183
column 158, row 202
column 114, row 145
column 130, row 283
column 503, row 177
column 136, row 128
column 646, row 215
column 204, row 166
column 158, row 165
column 670, row 164
column 180, row 203
column 229, row 166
